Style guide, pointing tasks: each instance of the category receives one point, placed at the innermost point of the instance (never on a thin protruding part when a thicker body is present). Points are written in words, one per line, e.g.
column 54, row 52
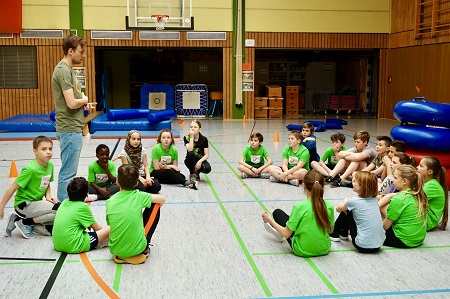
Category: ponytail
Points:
column 314, row 183
column 439, row 173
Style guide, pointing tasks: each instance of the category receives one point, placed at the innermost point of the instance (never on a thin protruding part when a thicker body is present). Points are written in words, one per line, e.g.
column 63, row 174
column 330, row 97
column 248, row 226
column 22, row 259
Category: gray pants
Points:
column 41, row 210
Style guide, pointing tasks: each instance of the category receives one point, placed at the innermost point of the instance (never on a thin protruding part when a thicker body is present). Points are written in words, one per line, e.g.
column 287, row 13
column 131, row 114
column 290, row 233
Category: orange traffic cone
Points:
column 244, row 119
column 13, row 170
column 276, row 138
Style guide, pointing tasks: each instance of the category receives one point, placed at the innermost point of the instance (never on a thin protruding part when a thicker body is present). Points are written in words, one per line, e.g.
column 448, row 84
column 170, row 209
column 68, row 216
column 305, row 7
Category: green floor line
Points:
column 322, row 276
column 354, row 250
column 242, row 181
column 117, row 277
column 240, row 241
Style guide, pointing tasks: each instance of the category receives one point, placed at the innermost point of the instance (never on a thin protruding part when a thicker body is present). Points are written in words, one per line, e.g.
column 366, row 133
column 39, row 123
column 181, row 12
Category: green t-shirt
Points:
column 67, row 120
column 302, row 154
column 329, row 158
column 255, row 158
column 71, row 220
column 309, row 239
column 97, row 175
column 163, row 156
column 436, row 202
column 407, row 225
column 33, row 181
column 124, row 216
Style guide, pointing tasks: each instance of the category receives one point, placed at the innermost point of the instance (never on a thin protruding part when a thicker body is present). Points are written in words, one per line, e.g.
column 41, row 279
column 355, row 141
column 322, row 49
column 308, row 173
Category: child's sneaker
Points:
column 273, row 179
column 11, row 224
column 91, row 197
column 197, row 176
column 134, row 260
column 345, row 183
column 192, row 177
column 265, row 175
column 273, row 231
column 191, row 185
column 244, row 175
column 294, row 182
column 336, row 237
column 40, row 229
column 26, row 230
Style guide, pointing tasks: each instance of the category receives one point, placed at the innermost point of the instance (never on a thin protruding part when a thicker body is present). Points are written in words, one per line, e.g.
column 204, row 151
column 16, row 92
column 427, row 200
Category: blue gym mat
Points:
column 124, row 134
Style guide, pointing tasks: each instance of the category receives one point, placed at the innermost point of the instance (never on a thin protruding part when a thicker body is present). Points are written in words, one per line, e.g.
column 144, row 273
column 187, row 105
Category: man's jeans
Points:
column 70, row 144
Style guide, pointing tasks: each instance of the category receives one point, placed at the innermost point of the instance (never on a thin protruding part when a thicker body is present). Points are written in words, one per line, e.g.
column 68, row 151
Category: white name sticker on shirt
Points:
column 45, row 181
column 101, row 177
column 256, row 159
column 166, row 159
column 293, row 160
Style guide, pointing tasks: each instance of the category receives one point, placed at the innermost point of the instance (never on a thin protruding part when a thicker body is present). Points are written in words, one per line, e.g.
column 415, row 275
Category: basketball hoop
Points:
column 160, row 20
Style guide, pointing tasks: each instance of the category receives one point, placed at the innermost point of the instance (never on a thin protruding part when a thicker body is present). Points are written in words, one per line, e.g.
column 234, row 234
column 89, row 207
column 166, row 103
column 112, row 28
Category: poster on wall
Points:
column 247, row 80
column 80, row 73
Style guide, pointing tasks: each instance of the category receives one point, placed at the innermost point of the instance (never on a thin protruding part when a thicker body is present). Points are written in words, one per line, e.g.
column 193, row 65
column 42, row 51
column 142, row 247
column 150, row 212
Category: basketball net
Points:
column 159, row 21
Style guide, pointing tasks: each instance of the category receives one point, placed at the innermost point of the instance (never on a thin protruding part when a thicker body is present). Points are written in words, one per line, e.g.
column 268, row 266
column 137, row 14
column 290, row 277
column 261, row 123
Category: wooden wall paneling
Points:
column 383, row 85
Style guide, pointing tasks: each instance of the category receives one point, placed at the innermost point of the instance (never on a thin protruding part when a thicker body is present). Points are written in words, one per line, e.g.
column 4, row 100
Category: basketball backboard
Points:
column 140, row 12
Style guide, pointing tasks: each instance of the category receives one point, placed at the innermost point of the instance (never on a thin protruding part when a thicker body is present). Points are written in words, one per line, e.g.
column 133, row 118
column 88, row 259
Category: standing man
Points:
column 69, row 103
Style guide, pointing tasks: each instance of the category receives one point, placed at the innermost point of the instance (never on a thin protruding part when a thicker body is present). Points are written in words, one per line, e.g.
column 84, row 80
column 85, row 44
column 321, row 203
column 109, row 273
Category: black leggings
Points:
column 191, row 160
column 346, row 221
column 282, row 218
column 112, row 189
column 154, row 188
column 146, row 217
column 169, row 176
column 392, row 240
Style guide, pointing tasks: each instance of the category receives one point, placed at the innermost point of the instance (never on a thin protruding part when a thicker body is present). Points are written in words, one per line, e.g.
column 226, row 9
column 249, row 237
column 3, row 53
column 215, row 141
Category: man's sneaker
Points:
column 294, row 182
column 265, row 175
column 26, row 230
column 273, row 179
column 11, row 224
column 244, row 175
column 91, row 197
column 343, row 235
column 40, row 229
column 273, row 231
column 191, row 185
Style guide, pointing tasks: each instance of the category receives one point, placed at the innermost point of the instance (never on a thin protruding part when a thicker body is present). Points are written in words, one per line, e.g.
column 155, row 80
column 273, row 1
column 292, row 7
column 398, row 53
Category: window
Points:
column 18, row 67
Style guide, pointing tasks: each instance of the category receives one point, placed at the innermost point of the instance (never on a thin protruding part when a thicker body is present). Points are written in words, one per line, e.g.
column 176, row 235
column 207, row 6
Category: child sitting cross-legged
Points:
column 102, row 175
column 131, row 229
column 252, row 162
column 361, row 214
column 73, row 218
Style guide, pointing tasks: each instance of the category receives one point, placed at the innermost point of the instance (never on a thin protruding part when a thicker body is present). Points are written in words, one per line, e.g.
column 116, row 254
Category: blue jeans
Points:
column 70, row 144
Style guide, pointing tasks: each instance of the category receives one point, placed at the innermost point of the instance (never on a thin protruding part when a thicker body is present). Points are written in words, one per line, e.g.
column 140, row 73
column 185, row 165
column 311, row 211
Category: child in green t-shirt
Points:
column 295, row 162
column 252, row 162
column 164, row 165
column 307, row 227
column 131, row 229
column 406, row 214
column 33, row 214
column 73, row 218
column 102, row 175
column 330, row 156
column 436, row 189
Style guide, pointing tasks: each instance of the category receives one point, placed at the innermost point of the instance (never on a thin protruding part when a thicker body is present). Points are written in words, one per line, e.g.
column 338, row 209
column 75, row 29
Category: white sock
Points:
column 91, row 197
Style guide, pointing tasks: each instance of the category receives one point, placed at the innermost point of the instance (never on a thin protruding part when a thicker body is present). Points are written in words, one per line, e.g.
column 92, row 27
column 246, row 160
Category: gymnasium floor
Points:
column 211, row 243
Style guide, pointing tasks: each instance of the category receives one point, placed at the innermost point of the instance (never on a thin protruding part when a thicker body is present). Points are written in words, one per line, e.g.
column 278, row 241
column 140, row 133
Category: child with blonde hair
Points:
column 361, row 214
column 436, row 189
column 406, row 214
